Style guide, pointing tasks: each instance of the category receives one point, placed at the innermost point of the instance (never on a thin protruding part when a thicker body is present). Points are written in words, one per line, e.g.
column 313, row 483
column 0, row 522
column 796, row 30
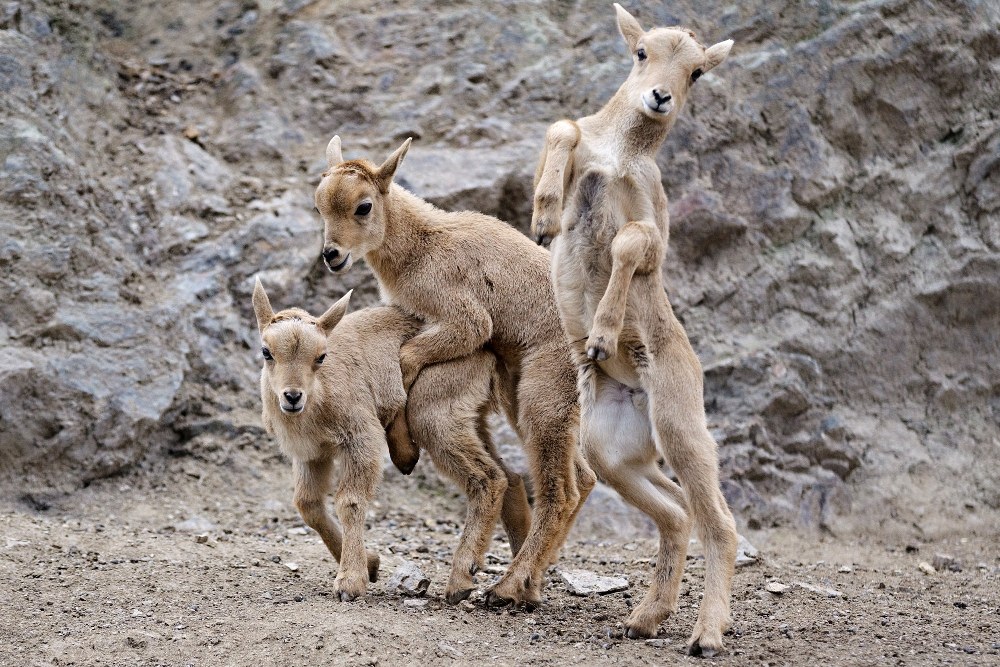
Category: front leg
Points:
column 359, row 480
column 552, row 177
column 312, row 482
column 637, row 248
column 463, row 328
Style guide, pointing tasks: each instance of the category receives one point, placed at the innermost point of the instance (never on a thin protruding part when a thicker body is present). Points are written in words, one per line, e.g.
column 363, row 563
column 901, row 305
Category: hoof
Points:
column 699, row 651
column 346, row 596
column 457, row 596
column 596, row 354
column 637, row 633
column 493, row 599
column 544, row 240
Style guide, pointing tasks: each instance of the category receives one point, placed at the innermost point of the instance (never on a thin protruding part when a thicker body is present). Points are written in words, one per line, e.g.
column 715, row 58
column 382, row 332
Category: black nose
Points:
column 293, row 397
column 330, row 254
column 660, row 99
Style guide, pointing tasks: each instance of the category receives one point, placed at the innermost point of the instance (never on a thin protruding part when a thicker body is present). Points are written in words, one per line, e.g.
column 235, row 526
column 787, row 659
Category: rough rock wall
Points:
column 834, row 197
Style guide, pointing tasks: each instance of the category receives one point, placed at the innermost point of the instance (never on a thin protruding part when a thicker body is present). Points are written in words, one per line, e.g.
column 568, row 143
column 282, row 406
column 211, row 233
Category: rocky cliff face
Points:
column 835, row 203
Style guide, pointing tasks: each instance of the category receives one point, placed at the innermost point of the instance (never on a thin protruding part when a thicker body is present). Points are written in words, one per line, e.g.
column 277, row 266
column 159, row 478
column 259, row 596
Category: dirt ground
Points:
column 189, row 560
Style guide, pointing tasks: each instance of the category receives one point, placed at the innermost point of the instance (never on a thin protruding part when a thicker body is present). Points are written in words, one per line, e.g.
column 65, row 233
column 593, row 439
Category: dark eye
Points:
column 695, row 74
column 364, row 208
column 320, row 358
column 641, row 54
column 267, row 353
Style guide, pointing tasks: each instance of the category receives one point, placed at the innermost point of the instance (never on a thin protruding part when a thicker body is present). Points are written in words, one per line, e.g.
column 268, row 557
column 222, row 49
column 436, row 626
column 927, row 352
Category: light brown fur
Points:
column 475, row 281
column 598, row 194
column 345, row 402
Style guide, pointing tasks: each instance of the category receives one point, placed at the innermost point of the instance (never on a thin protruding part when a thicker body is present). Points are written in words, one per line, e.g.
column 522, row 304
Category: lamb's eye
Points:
column 695, row 74
column 364, row 208
column 641, row 54
column 320, row 358
column 267, row 353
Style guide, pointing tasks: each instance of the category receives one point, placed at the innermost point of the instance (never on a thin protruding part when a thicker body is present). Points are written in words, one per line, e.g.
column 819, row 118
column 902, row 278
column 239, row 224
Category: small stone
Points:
column 466, row 605
column 416, row 603
column 943, row 562
column 136, row 641
column 776, row 587
column 846, row 569
column 926, row 567
column 408, row 579
column 298, row 531
column 201, row 539
column 448, row 650
column 191, row 132
column 746, row 553
column 657, row 643
column 584, row 582
column 275, row 558
column 294, row 567
column 196, row 524
column 827, row 592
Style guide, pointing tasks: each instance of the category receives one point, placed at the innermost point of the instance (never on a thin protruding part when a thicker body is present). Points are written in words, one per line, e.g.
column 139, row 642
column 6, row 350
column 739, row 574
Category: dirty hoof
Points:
column 699, row 651
column 633, row 632
column 457, row 596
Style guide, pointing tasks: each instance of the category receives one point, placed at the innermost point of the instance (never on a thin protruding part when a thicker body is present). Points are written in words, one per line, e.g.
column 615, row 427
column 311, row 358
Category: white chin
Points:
column 652, row 112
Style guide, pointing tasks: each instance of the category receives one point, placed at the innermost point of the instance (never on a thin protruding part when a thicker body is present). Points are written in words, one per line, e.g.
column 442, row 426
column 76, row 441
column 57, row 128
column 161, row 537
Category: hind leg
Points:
column 447, row 407
column 619, row 444
column 546, row 396
column 677, row 411
column 516, row 512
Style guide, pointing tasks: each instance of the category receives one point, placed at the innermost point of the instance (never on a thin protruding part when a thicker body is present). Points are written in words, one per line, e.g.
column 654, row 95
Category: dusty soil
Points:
column 122, row 573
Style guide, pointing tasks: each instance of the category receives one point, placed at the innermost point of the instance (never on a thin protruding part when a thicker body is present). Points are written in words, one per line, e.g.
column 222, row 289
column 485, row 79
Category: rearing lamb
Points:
column 599, row 199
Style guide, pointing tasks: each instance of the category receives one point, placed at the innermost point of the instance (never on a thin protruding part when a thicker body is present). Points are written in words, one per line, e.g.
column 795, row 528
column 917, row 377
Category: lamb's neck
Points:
column 634, row 132
column 404, row 222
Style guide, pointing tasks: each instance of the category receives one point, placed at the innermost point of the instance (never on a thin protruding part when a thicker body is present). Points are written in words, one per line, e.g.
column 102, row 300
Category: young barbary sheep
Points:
column 640, row 380
column 329, row 386
column 474, row 281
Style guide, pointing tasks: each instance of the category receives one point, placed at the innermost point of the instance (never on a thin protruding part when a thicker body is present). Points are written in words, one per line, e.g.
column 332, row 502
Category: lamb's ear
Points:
column 333, row 154
column 628, row 27
column 331, row 318
column 261, row 306
column 715, row 54
column 388, row 168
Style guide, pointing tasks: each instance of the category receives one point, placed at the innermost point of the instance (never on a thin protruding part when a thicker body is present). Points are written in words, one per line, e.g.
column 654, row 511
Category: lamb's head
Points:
column 293, row 344
column 351, row 199
column 667, row 63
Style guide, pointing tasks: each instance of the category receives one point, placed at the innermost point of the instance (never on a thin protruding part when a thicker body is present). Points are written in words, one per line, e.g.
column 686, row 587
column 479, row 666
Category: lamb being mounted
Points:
column 331, row 384
column 599, row 200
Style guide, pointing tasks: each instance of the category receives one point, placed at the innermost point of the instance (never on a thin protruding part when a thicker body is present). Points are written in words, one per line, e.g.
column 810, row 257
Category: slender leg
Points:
column 677, row 412
column 552, row 176
column 359, row 479
column 312, row 483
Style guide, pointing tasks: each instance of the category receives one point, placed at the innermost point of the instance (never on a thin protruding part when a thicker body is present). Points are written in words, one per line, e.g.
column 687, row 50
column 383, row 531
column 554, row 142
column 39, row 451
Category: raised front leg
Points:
column 312, row 482
column 456, row 332
column 637, row 248
column 359, row 479
column 552, row 177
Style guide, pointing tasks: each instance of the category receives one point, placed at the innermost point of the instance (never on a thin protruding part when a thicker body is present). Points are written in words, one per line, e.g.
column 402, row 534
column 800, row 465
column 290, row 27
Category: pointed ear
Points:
column 333, row 154
column 716, row 53
column 628, row 27
column 388, row 168
column 261, row 306
column 331, row 318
